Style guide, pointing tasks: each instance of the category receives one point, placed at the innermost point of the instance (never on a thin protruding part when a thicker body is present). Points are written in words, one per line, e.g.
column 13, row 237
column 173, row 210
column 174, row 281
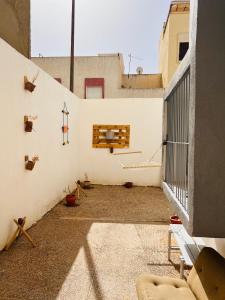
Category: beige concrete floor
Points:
column 91, row 252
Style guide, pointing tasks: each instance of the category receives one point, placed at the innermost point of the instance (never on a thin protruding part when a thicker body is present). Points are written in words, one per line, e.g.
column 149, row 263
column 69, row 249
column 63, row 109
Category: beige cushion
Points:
column 151, row 287
column 207, row 277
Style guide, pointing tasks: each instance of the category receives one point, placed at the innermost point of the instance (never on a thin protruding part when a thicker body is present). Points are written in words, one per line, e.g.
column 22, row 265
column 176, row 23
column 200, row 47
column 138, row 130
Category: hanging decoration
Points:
column 65, row 127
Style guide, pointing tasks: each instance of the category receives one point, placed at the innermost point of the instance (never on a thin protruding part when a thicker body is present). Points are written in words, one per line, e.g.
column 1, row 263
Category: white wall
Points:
column 33, row 193
column 145, row 119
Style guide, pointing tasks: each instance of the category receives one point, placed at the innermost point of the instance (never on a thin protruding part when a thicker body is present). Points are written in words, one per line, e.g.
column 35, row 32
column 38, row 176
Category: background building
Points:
column 174, row 40
column 101, row 76
column 15, row 24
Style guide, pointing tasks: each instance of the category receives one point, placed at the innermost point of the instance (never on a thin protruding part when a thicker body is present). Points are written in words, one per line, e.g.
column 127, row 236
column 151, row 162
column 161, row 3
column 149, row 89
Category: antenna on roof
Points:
column 139, row 70
column 130, row 58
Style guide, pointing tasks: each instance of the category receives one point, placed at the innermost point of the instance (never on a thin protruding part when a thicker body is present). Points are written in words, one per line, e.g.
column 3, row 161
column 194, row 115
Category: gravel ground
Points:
column 94, row 251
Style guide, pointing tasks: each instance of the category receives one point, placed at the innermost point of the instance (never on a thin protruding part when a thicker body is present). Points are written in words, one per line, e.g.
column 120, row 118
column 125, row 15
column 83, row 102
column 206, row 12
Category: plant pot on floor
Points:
column 175, row 220
column 86, row 184
column 128, row 184
column 70, row 200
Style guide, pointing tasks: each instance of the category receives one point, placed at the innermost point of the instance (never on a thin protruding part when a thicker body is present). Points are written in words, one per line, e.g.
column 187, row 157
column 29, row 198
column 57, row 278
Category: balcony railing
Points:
column 177, row 116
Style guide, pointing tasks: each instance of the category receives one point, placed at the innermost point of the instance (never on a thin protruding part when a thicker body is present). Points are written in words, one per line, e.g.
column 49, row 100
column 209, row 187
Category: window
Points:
column 183, row 48
column 94, row 88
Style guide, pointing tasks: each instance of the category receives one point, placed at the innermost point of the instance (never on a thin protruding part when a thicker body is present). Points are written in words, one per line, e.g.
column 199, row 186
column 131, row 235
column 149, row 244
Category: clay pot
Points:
column 30, row 165
column 70, row 200
column 29, row 86
column 175, row 220
column 128, row 184
column 86, row 184
column 28, row 126
column 65, row 129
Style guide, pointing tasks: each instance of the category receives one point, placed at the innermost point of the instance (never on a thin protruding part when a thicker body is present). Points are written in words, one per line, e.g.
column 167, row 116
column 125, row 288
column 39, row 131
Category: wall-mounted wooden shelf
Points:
column 121, row 137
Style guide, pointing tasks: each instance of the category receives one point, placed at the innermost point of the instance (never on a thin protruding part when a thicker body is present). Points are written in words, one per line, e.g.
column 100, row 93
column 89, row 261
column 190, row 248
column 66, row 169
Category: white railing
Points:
column 177, row 140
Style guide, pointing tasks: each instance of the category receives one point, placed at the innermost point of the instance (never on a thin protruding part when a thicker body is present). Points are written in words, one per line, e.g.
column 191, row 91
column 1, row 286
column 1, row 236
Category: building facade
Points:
column 15, row 24
column 101, row 76
column 174, row 40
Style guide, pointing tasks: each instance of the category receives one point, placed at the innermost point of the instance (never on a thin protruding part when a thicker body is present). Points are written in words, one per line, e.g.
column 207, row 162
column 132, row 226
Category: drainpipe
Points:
column 72, row 47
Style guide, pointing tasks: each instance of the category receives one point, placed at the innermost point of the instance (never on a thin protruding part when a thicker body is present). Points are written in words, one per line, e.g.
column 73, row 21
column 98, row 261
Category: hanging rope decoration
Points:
column 65, row 127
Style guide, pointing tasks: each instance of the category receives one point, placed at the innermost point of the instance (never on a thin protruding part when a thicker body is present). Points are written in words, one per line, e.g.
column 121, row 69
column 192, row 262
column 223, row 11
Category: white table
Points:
column 188, row 247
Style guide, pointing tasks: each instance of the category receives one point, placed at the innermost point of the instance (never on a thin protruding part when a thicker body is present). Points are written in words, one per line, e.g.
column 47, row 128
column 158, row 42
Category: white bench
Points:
column 188, row 247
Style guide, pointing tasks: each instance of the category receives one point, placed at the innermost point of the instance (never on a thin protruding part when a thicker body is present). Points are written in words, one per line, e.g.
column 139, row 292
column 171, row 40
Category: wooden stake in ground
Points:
column 25, row 233
column 16, row 234
column 79, row 190
column 19, row 231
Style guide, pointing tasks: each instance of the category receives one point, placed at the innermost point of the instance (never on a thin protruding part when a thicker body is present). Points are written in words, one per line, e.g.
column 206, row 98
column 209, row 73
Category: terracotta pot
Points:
column 175, row 220
column 70, row 199
column 65, row 129
column 28, row 126
column 30, row 165
column 128, row 184
column 29, row 86
column 86, row 184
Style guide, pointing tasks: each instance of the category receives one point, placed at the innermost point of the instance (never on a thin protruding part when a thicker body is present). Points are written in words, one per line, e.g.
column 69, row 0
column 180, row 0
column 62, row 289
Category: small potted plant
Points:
column 28, row 126
column 86, row 183
column 175, row 220
column 31, row 163
column 70, row 197
column 28, row 123
column 29, row 85
column 65, row 129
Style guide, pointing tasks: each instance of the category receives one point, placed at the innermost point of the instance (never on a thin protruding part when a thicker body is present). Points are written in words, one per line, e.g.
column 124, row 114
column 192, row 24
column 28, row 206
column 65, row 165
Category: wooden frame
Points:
column 121, row 136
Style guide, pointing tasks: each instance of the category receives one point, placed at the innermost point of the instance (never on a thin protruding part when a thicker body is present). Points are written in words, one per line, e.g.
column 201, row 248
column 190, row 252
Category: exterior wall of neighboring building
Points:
column 15, row 24
column 176, row 30
column 142, row 81
column 107, row 67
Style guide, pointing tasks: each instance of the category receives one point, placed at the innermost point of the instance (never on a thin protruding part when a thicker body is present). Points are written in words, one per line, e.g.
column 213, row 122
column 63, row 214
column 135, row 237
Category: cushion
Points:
column 207, row 277
column 152, row 287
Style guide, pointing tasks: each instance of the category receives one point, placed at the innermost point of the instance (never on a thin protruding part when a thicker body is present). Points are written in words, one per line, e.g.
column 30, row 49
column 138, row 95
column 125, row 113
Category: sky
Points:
column 102, row 26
